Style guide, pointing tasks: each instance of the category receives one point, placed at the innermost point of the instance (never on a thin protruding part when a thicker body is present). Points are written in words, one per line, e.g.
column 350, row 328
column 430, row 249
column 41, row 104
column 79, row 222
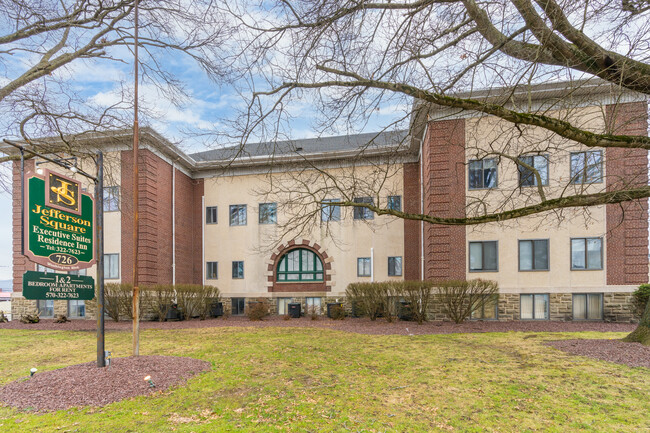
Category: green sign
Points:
column 59, row 223
column 48, row 285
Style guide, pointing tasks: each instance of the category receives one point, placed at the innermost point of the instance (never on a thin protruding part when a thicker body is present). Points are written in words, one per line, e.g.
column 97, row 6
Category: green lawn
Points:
column 292, row 379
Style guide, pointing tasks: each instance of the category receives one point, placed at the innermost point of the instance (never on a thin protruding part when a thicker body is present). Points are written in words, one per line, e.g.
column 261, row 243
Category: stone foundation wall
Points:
column 617, row 307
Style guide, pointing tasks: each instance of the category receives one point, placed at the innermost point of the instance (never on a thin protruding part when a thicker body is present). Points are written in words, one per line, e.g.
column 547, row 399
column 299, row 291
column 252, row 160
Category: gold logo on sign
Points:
column 62, row 193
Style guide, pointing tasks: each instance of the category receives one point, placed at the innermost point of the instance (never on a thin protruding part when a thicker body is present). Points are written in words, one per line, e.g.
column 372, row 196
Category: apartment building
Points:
column 257, row 222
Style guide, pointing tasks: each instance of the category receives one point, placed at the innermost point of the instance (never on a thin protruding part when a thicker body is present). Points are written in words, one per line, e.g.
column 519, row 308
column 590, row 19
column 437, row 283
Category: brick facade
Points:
column 188, row 229
column 412, row 246
column 627, row 223
column 443, row 156
column 21, row 263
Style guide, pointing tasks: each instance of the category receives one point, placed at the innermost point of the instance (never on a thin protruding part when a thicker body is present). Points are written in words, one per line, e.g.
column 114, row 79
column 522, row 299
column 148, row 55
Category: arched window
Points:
column 300, row 265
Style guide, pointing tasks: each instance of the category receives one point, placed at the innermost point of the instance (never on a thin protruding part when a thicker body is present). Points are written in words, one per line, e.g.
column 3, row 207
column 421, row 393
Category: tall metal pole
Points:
column 99, row 217
column 22, row 201
column 136, row 133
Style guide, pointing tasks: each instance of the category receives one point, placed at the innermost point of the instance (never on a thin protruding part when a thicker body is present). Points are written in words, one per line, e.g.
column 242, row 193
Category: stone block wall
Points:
column 618, row 307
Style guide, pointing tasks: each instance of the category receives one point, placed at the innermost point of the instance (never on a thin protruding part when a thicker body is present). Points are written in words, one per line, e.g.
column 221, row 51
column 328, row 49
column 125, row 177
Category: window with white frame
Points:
column 76, row 309
column 586, row 254
column 238, row 215
column 587, row 167
column 587, row 306
column 313, row 305
column 534, row 307
column 283, row 306
column 211, row 270
column 45, row 307
column 483, row 256
column 394, row 266
column 211, row 216
column 533, row 255
column 533, row 165
column 483, row 173
column 363, row 267
column 111, row 266
column 330, row 212
column 111, row 198
column 268, row 213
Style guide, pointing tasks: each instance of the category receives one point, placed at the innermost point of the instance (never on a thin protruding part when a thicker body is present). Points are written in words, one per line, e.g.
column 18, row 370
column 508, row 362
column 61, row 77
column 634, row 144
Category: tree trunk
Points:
column 642, row 333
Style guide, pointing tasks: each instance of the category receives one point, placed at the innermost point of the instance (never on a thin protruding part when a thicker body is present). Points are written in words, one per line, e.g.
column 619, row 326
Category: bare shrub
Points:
column 3, row 318
column 204, row 300
column 161, row 298
column 258, row 310
column 461, row 298
column 188, row 297
column 30, row 318
column 118, row 300
column 417, row 295
column 337, row 312
column 368, row 298
column 286, row 317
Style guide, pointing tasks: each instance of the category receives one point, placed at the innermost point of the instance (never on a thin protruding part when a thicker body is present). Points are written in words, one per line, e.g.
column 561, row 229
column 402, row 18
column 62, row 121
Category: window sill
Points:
column 582, row 270
column 534, row 270
column 483, row 270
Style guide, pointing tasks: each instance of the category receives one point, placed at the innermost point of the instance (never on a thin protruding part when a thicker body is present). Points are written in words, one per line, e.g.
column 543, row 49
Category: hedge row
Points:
column 459, row 298
column 193, row 300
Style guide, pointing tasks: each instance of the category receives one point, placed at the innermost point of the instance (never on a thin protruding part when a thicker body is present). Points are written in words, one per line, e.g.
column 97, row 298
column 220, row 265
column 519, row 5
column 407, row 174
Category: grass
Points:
column 291, row 379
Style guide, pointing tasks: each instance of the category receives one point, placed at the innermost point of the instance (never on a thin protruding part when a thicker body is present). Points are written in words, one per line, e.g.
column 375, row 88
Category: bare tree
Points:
column 482, row 60
column 43, row 44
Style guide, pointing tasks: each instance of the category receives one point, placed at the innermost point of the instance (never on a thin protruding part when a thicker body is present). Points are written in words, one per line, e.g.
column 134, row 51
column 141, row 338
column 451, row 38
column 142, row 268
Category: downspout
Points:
column 203, row 240
column 372, row 265
column 173, row 224
column 424, row 136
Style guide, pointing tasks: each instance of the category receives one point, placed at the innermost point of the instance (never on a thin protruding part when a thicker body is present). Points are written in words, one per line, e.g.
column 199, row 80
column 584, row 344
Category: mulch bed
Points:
column 617, row 351
column 356, row 325
column 88, row 385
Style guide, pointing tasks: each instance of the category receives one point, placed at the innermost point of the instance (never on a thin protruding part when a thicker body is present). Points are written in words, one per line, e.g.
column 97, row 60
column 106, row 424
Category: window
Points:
column 313, row 305
column 111, row 266
column 237, row 306
column 45, row 307
column 330, row 212
column 79, row 272
column 483, row 256
column 489, row 309
column 483, row 173
column 586, row 253
column 238, row 270
column 111, row 198
column 534, row 307
column 300, row 265
column 533, row 255
column 394, row 266
column 527, row 177
column 238, row 215
column 395, row 202
column 268, row 213
column 363, row 267
column 283, row 306
column 362, row 213
column 211, row 215
column 76, row 309
column 587, row 167
column 41, row 268
column 588, row 306
column 211, row 270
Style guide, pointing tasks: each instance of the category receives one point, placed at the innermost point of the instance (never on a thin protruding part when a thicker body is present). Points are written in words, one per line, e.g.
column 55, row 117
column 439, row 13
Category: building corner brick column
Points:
column 443, row 157
column 21, row 263
column 412, row 238
column 627, row 223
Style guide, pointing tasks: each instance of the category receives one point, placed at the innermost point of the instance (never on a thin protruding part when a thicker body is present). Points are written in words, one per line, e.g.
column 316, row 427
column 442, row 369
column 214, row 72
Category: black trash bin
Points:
column 332, row 305
column 216, row 309
column 294, row 310
column 173, row 313
column 405, row 311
